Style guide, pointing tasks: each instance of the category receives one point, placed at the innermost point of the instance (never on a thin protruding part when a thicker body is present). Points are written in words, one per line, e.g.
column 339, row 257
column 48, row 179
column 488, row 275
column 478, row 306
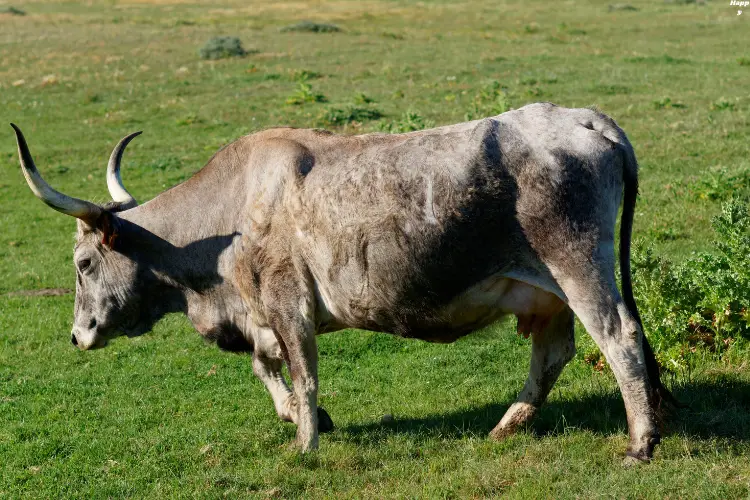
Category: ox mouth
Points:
column 98, row 344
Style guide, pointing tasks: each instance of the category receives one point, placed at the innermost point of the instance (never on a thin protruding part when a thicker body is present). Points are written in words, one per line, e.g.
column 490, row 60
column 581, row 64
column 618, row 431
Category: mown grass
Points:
column 167, row 415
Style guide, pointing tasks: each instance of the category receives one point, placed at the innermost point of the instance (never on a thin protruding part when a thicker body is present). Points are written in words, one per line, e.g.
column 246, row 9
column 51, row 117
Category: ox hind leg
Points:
column 551, row 350
column 592, row 294
column 267, row 366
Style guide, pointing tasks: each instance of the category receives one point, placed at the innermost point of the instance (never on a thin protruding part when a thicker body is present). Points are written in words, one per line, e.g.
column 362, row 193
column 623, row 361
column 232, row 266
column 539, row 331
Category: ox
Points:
column 288, row 233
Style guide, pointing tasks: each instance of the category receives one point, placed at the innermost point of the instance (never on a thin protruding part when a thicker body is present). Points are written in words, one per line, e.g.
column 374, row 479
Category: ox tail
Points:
column 630, row 178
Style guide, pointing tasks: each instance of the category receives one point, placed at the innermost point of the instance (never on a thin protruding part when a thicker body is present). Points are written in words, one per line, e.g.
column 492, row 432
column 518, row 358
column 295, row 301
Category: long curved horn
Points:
column 114, row 181
column 81, row 209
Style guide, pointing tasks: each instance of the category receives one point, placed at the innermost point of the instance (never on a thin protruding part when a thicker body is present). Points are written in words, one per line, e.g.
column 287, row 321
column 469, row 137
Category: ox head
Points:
column 108, row 302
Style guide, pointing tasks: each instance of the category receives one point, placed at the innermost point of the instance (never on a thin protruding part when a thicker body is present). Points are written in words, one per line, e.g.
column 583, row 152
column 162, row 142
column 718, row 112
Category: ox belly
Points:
column 500, row 296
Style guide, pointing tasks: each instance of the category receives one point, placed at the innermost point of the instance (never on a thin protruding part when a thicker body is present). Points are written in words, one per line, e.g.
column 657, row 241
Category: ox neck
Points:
column 187, row 233
column 205, row 206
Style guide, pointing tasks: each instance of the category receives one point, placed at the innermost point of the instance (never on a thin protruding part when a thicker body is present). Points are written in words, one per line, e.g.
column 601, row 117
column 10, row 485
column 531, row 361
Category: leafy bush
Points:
column 221, row 47
column 13, row 11
column 490, row 101
column 723, row 104
column 338, row 116
column 718, row 183
column 312, row 27
column 189, row 119
column 408, row 122
column 362, row 98
column 303, row 75
column 303, row 94
column 702, row 302
column 666, row 102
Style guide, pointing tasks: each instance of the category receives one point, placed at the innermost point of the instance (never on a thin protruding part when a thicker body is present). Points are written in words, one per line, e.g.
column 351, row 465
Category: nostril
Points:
column 92, row 323
column 74, row 339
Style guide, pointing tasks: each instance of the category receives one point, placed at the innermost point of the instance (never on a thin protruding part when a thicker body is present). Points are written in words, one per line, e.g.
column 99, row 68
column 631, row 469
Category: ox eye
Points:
column 84, row 264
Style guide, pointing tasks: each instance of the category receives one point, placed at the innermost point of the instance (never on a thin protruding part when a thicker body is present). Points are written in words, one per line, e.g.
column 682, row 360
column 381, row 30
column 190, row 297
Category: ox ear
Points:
column 108, row 224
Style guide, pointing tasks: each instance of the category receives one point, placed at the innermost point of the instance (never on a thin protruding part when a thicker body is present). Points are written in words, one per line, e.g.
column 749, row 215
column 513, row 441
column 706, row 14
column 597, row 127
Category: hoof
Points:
column 642, row 456
column 634, row 460
column 325, row 424
column 501, row 432
column 517, row 418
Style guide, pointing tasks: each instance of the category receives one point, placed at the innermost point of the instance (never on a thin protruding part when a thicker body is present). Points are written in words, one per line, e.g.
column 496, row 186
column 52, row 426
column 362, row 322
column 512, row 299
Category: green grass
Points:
column 167, row 415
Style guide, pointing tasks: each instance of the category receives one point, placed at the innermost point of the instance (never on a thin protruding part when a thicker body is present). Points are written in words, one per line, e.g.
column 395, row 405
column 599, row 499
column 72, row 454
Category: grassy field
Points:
column 167, row 415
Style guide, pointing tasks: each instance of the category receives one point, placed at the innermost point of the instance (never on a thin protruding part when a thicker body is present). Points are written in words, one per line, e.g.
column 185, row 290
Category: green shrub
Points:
column 221, row 47
column 189, row 119
column 408, row 122
column 339, row 116
column 702, row 302
column 666, row 102
column 303, row 94
column 362, row 98
column 13, row 11
column 303, row 75
column 492, row 100
column 311, row 27
column 719, row 183
column 723, row 104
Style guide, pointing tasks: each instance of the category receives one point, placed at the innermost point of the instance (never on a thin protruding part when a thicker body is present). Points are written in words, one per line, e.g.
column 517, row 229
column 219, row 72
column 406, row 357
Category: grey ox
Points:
column 288, row 233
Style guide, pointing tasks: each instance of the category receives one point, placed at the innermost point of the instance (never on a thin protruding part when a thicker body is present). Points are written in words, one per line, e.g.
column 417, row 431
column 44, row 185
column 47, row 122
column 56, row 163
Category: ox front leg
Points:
column 290, row 316
column 267, row 366
column 551, row 350
column 302, row 351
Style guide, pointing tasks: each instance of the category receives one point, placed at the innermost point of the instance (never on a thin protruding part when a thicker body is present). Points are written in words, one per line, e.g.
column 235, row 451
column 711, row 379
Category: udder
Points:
column 499, row 296
column 533, row 307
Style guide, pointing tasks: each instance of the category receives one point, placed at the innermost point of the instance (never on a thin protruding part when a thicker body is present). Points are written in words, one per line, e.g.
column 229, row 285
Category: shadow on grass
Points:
column 719, row 408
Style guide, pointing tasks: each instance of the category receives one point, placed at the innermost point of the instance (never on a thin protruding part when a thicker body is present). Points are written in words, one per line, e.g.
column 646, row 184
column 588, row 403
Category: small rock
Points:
column 386, row 419
column 49, row 80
